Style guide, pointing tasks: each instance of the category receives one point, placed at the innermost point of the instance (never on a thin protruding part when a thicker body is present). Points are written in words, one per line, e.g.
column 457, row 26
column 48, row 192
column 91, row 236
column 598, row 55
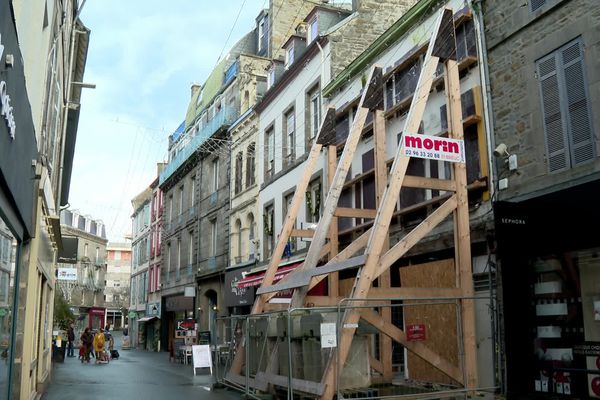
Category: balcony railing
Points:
column 225, row 116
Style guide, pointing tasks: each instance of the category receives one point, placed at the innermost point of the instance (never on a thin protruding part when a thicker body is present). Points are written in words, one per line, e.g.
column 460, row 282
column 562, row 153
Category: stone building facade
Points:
column 544, row 78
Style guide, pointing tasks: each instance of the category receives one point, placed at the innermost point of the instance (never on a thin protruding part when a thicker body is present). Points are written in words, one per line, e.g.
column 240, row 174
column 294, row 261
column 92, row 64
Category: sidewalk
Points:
column 137, row 374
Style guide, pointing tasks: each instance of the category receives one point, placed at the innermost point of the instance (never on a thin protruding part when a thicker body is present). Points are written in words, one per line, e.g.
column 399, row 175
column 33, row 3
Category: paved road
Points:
column 135, row 375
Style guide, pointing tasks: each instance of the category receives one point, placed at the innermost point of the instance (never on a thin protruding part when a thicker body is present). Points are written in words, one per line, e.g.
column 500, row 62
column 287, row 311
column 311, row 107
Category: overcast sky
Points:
column 143, row 56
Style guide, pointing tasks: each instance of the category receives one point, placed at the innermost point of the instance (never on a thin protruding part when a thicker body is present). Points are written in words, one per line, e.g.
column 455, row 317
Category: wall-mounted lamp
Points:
column 501, row 151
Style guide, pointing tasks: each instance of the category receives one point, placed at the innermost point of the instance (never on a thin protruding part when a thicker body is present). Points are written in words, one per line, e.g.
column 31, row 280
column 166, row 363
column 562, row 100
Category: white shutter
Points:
column 577, row 104
column 554, row 124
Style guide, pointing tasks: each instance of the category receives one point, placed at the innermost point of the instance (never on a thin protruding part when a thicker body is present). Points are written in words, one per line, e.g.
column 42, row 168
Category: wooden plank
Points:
column 333, row 195
column 419, row 232
column 440, row 320
column 384, row 281
column 303, row 233
column 422, row 182
column 418, row 348
column 462, row 236
column 414, row 293
column 375, row 363
column 355, row 212
column 335, row 266
column 381, row 224
column 241, row 381
column 333, row 284
column 300, row 385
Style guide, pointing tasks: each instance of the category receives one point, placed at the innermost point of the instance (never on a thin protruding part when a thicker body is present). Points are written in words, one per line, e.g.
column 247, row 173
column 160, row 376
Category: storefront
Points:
column 549, row 250
column 176, row 308
column 96, row 318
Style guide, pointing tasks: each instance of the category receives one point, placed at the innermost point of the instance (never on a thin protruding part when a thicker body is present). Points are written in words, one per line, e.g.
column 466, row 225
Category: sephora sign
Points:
column 6, row 110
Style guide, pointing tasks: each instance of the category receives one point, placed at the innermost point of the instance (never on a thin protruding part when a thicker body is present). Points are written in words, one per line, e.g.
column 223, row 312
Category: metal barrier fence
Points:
column 288, row 352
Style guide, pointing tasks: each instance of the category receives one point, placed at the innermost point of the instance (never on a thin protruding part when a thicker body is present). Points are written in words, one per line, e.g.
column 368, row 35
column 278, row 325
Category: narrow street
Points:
column 136, row 374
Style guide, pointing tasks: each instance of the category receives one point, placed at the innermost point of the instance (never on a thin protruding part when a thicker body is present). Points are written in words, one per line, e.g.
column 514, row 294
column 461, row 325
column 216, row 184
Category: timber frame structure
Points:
column 371, row 253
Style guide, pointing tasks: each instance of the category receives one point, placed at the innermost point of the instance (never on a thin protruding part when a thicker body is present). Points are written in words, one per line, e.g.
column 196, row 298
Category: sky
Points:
column 143, row 56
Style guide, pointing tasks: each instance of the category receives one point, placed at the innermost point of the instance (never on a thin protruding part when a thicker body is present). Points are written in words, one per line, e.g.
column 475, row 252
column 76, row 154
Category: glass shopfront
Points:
column 8, row 255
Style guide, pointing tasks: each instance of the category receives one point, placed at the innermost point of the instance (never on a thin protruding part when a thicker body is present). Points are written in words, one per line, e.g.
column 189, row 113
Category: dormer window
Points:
column 270, row 76
column 263, row 30
column 289, row 56
column 313, row 29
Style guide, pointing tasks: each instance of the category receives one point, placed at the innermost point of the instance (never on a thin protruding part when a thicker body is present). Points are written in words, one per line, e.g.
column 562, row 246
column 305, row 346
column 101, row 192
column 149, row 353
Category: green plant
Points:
column 62, row 312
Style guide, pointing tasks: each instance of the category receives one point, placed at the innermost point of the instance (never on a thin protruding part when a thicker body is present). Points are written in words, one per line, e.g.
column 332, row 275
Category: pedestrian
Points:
column 71, row 339
column 99, row 345
column 87, row 341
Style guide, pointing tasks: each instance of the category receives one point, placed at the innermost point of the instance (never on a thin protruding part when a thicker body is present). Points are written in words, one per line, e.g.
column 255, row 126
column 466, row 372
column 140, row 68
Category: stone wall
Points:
column 285, row 16
column 517, row 38
column 372, row 19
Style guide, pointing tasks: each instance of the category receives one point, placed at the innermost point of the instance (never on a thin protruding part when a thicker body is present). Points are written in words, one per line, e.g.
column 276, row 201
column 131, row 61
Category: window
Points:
column 171, row 207
column 314, row 114
column 239, row 160
column 269, row 228
column 250, row 165
column 192, row 191
column 97, row 255
column 289, row 150
column 168, row 262
column 178, row 264
column 536, row 4
column 270, row 76
column 190, row 251
column 85, row 250
column 238, row 228
column 287, row 204
column 565, row 108
column 313, row 29
column 313, row 201
column 270, row 153
column 213, row 238
column 117, row 255
column 251, row 238
column 180, row 199
column 289, row 56
column 263, row 34
column 402, row 84
column 465, row 41
column 215, row 175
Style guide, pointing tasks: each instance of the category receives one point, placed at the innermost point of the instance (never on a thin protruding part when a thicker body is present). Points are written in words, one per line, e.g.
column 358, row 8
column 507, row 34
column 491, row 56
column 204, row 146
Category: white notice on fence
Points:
column 202, row 357
column 328, row 335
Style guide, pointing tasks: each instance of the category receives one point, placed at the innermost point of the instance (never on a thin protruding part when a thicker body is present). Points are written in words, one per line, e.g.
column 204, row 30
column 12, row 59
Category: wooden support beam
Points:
column 303, row 233
column 414, row 293
column 418, row 348
column 422, row 182
column 335, row 190
column 322, row 301
column 376, row 364
column 333, row 284
column 355, row 212
column 462, row 235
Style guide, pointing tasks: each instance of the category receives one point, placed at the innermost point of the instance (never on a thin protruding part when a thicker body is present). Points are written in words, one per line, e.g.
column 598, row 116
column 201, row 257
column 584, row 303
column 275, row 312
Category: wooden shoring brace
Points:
column 462, row 235
column 379, row 234
column 371, row 98
column 286, row 230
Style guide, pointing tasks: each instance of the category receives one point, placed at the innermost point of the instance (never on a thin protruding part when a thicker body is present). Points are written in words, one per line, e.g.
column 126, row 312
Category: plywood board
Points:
column 440, row 320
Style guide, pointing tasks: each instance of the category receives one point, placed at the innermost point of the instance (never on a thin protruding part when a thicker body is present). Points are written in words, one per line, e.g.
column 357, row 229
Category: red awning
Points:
column 256, row 279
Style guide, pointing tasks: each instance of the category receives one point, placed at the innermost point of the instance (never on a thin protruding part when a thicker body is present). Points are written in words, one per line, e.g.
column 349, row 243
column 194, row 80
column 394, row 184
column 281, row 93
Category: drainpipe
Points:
column 476, row 6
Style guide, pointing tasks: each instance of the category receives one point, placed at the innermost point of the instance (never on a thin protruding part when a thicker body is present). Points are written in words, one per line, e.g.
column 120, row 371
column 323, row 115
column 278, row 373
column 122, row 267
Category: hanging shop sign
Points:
column 67, row 274
column 433, row 147
column 6, row 110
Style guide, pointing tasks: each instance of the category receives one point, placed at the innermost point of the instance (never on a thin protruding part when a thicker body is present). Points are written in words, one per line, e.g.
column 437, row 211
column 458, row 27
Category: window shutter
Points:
column 578, row 121
column 554, row 126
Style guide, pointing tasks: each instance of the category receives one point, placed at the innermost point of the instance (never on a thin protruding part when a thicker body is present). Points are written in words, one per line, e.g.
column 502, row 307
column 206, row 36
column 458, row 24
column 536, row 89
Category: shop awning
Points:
column 149, row 318
column 256, row 279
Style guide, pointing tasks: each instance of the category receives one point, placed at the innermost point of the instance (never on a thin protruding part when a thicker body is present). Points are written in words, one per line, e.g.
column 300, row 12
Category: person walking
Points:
column 87, row 341
column 99, row 345
column 71, row 339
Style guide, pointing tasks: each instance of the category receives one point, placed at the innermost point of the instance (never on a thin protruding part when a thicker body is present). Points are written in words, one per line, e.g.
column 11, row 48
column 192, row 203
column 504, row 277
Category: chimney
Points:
column 195, row 88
